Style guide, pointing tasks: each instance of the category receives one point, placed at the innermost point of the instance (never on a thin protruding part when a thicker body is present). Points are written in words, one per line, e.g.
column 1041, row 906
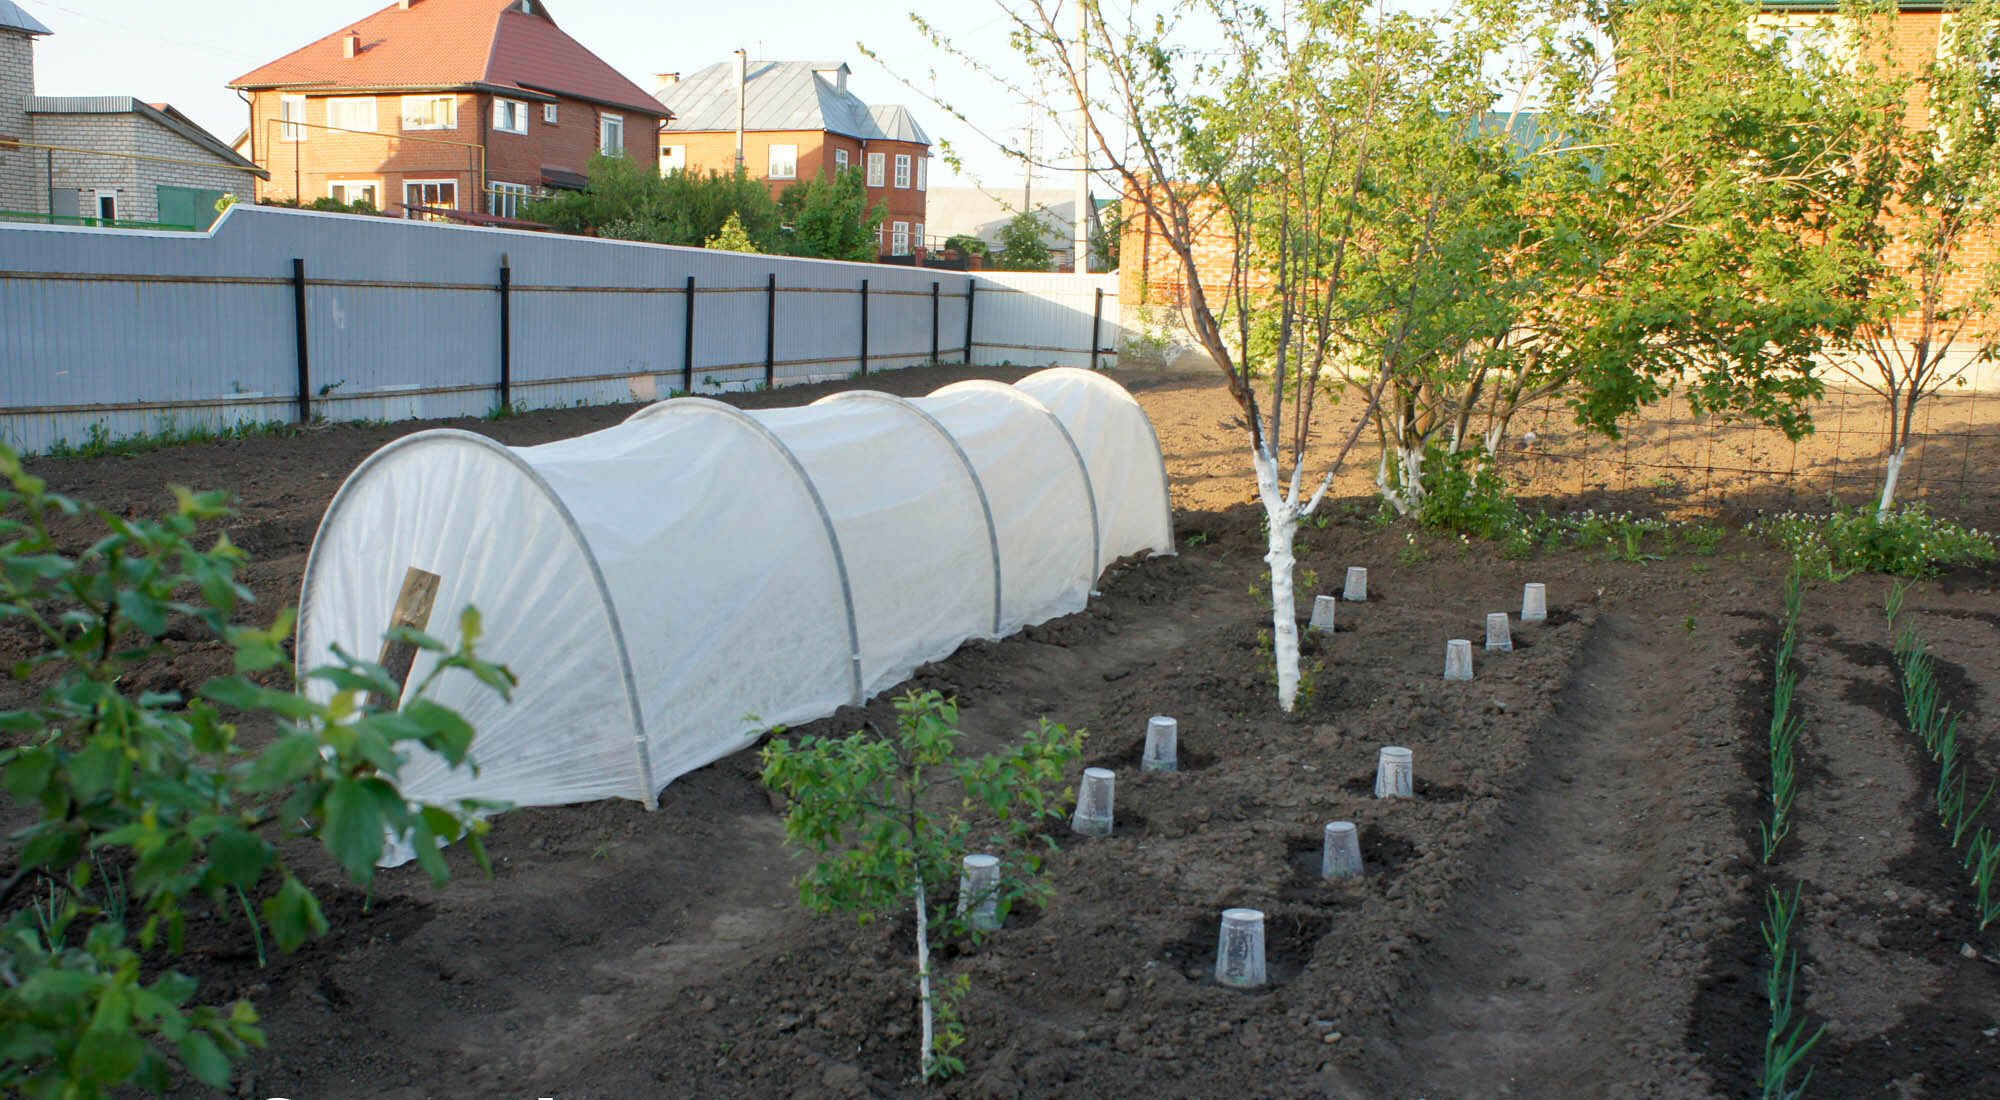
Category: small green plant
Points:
column 1199, row 538
column 890, row 817
column 1786, row 725
column 1786, row 1043
column 1909, row 543
column 1465, row 493
column 506, row 412
column 146, row 807
column 100, row 443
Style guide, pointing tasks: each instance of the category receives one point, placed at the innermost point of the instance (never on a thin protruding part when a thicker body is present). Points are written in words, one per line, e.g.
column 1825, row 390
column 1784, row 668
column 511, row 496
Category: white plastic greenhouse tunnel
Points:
column 667, row 589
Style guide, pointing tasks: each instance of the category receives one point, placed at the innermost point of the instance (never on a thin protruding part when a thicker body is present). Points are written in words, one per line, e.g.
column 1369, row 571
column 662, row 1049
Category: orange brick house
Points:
column 800, row 121
column 460, row 105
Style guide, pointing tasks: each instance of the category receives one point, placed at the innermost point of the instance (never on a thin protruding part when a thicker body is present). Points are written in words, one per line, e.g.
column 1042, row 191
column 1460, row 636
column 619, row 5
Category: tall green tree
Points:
column 1023, row 244
column 830, row 218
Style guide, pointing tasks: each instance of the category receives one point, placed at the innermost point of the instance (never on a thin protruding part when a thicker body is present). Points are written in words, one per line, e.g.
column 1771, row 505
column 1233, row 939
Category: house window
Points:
column 917, row 235
column 875, row 169
column 354, row 191
column 351, row 113
column 673, row 158
column 107, row 205
column 549, row 113
column 839, row 161
column 292, row 109
column 899, row 239
column 430, row 112
column 922, row 163
column 430, row 193
column 784, row 162
column 510, row 116
column 878, row 240
column 504, row 199
column 902, row 169
column 611, row 135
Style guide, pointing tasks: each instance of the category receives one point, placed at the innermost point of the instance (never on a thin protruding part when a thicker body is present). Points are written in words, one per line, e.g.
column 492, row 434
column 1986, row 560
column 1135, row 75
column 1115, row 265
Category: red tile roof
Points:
column 456, row 44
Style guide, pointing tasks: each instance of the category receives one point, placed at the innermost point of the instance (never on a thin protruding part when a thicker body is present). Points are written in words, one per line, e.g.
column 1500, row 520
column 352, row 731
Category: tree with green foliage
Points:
column 148, row 807
column 965, row 244
column 1023, row 244
column 627, row 200
column 890, row 818
column 830, row 218
column 732, row 237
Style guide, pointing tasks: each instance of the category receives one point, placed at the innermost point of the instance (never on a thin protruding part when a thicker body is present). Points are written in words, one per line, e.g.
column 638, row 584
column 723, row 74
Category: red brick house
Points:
column 465, row 105
column 800, row 121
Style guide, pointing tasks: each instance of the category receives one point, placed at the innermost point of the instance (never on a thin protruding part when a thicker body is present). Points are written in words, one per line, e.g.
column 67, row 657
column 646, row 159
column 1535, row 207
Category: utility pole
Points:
column 1028, row 176
column 1081, row 218
column 742, row 67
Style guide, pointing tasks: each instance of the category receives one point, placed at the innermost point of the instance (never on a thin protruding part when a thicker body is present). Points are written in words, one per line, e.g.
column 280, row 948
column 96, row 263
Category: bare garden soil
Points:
column 1569, row 908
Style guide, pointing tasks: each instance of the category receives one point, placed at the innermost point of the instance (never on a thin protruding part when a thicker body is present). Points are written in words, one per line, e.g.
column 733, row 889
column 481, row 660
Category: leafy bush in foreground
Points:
column 1909, row 542
column 151, row 808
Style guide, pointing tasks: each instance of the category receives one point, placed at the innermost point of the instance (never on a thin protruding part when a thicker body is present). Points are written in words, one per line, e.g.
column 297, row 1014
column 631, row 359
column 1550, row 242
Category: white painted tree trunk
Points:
column 1282, row 512
column 1889, row 483
column 924, row 974
column 1405, row 493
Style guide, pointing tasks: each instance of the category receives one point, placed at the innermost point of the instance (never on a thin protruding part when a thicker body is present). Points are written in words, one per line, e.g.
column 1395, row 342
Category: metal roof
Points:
column 783, row 95
column 163, row 115
column 14, row 19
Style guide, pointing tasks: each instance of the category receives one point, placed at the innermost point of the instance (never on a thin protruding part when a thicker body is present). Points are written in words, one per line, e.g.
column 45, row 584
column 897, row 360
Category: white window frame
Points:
column 876, row 168
column 372, row 185
column 903, row 171
column 606, row 121
column 878, row 240
column 453, row 182
column 899, row 238
column 549, row 114
column 840, row 163
column 673, row 158
column 503, row 200
column 517, row 108
column 292, row 128
column 923, row 163
column 360, row 104
column 917, row 236
column 97, row 200
column 420, row 103
column 790, row 164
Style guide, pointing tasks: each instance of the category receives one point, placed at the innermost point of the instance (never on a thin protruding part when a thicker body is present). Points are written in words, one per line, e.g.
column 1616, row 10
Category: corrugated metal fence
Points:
column 285, row 315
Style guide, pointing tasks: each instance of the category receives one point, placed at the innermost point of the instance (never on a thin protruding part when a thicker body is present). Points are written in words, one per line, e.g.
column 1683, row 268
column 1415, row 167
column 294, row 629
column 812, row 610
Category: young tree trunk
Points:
column 924, row 975
column 1889, row 483
column 1404, row 491
column 1282, row 514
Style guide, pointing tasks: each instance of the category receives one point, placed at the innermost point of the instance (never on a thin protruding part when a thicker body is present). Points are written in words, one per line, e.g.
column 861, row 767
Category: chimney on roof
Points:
column 663, row 81
column 351, row 45
column 406, row 5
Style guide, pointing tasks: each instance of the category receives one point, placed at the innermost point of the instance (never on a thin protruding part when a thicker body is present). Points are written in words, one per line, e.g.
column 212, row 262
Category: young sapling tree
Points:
column 890, row 816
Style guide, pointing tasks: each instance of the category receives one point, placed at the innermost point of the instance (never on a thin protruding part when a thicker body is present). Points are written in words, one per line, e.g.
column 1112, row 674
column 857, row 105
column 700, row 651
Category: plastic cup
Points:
column 1497, row 635
column 1239, row 951
column 979, row 893
column 1394, row 773
column 1162, row 745
column 1323, row 609
column 1458, row 659
column 1093, row 803
column 1340, row 856
column 1357, row 584
column 1534, row 603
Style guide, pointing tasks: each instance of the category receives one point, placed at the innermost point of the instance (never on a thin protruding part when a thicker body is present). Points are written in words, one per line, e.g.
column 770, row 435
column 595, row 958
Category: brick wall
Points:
column 135, row 182
column 22, row 183
column 470, row 154
column 715, row 150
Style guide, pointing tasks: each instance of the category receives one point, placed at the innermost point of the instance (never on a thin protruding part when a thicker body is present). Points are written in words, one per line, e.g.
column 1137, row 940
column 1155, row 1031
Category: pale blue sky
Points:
column 184, row 53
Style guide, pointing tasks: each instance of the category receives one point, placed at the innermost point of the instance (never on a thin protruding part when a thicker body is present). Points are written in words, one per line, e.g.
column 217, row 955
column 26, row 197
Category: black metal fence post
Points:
column 305, row 359
column 1096, row 322
column 971, row 285
column 864, row 328
column 506, row 334
column 771, row 332
column 687, row 342
column 934, row 322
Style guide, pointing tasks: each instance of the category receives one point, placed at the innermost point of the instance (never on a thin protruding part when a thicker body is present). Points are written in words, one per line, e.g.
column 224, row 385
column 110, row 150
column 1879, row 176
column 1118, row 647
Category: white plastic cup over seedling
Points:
column 1340, row 857
column 1323, row 609
column 1458, row 659
column 1534, row 604
column 1093, row 803
column 1163, row 736
column 1357, row 584
column 979, row 893
column 1394, row 773
column 1497, row 636
column 1239, row 951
